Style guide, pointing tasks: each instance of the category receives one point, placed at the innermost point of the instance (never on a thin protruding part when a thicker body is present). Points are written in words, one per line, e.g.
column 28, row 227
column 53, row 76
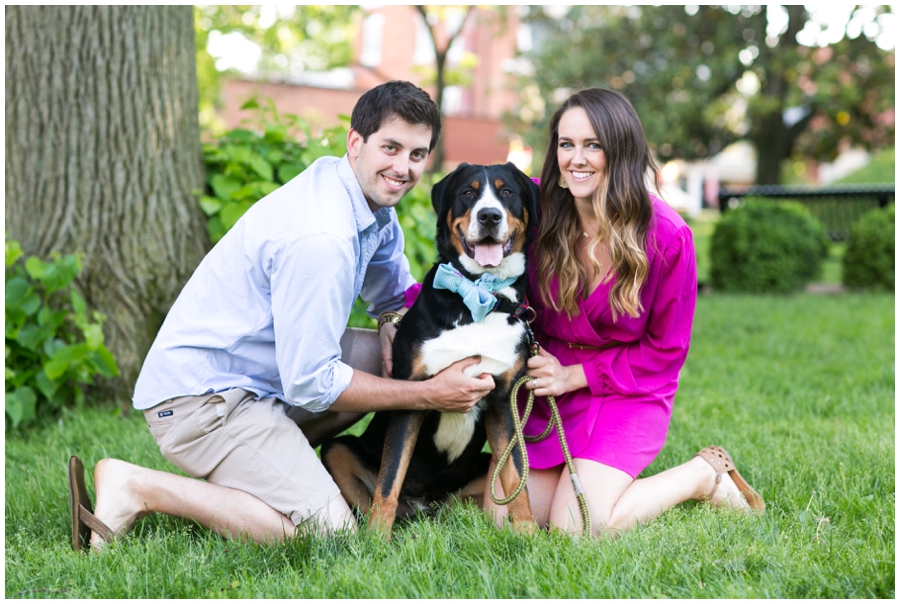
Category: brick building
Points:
column 393, row 43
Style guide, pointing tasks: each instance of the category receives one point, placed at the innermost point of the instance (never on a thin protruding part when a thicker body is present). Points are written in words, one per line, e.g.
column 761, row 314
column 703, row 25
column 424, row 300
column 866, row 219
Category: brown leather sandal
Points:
column 721, row 462
column 83, row 519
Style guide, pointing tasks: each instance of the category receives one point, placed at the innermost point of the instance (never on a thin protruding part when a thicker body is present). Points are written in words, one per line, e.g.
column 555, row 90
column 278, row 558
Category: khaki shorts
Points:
column 235, row 440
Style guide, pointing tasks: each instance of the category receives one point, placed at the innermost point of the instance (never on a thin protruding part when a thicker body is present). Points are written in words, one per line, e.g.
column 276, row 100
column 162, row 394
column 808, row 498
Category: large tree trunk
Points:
column 774, row 140
column 773, row 145
column 440, row 82
column 103, row 157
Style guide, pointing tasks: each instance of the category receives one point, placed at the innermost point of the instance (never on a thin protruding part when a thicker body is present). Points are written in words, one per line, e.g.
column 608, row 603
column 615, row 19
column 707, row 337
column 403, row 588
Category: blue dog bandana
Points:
column 478, row 295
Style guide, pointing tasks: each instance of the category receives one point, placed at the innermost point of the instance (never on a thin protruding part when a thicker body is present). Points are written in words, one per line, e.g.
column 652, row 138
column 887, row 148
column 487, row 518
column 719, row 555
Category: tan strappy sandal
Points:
column 83, row 519
column 721, row 462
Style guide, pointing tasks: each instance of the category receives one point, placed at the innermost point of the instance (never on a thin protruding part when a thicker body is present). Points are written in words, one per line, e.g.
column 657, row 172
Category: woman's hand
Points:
column 553, row 378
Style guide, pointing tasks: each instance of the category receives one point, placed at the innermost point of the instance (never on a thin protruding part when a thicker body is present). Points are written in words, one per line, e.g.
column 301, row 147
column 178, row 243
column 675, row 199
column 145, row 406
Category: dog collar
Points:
column 478, row 296
column 510, row 307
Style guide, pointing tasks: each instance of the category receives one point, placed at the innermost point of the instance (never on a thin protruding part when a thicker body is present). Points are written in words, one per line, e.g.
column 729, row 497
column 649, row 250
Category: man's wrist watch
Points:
column 389, row 317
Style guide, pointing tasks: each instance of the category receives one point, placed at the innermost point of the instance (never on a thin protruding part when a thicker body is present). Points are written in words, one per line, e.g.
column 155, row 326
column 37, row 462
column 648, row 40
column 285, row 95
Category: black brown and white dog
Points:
column 407, row 461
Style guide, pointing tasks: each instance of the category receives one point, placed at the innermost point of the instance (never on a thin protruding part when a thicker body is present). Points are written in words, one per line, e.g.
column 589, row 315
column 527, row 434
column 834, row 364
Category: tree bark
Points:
column 103, row 157
column 440, row 61
column 774, row 140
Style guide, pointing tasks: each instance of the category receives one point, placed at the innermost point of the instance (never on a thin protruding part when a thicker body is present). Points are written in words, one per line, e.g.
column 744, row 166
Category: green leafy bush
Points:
column 869, row 259
column 54, row 347
column 248, row 163
column 245, row 165
column 766, row 247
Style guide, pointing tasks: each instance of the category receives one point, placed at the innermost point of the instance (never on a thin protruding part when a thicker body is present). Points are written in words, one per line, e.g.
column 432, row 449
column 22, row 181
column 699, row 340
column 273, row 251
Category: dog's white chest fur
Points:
column 495, row 340
column 455, row 431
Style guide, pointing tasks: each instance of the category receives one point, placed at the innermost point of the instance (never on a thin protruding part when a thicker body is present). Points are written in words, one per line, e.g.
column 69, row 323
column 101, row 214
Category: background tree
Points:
column 103, row 157
column 438, row 20
column 704, row 77
column 435, row 18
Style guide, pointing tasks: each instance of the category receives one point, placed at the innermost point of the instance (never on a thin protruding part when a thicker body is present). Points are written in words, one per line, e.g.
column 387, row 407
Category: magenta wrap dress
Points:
column 622, row 417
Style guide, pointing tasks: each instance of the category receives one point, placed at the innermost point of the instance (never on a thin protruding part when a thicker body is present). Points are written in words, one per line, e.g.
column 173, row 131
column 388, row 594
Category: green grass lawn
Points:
column 832, row 266
column 881, row 170
column 800, row 390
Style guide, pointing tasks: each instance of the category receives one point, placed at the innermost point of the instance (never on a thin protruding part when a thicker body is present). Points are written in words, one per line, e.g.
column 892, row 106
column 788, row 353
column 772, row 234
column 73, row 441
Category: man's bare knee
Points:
column 334, row 516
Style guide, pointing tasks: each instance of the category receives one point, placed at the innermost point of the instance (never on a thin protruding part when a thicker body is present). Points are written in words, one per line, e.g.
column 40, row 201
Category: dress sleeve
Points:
column 412, row 294
column 654, row 361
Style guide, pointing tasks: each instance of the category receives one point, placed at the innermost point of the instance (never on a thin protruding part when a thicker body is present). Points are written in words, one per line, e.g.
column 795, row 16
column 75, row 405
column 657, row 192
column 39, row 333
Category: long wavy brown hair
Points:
column 622, row 207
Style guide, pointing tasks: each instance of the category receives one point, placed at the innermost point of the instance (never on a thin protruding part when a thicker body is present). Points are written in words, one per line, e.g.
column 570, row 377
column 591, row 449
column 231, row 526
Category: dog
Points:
column 407, row 462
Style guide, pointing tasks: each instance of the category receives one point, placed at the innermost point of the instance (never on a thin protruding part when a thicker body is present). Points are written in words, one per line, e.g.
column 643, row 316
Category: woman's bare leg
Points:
column 616, row 502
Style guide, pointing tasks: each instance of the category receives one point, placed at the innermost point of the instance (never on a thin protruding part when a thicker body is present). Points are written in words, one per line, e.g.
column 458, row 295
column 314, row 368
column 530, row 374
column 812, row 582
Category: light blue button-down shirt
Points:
column 266, row 308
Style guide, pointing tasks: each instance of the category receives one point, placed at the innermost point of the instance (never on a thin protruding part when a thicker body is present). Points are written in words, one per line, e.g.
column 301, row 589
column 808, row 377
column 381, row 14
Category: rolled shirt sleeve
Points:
column 310, row 309
column 309, row 358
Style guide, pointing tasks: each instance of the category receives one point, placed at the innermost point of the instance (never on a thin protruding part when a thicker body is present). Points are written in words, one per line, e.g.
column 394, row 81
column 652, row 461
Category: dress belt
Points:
column 607, row 346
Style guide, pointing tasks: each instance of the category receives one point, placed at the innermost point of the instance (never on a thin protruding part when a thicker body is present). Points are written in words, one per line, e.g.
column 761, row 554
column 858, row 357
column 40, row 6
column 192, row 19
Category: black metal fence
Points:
column 836, row 207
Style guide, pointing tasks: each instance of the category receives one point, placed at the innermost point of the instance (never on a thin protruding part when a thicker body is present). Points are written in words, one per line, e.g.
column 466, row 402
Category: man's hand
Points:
column 386, row 335
column 450, row 391
column 455, row 392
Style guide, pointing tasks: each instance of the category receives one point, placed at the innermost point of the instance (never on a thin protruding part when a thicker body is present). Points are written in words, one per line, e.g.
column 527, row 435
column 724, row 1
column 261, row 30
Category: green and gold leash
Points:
column 519, row 440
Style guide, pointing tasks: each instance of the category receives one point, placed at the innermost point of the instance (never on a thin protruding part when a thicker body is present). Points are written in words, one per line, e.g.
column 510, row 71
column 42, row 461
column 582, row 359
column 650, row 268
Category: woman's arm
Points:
column 651, row 362
column 655, row 360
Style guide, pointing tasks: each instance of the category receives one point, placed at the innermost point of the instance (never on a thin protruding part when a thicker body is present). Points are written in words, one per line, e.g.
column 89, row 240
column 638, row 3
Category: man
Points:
column 253, row 368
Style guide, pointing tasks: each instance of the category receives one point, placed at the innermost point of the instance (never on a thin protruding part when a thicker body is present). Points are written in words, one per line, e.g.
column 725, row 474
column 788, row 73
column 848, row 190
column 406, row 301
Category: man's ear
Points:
column 354, row 143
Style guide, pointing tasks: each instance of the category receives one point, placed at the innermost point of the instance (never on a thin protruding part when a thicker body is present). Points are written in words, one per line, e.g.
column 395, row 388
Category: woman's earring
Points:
column 562, row 182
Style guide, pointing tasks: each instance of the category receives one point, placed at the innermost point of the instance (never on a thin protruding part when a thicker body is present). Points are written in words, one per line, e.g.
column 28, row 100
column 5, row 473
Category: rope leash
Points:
column 519, row 439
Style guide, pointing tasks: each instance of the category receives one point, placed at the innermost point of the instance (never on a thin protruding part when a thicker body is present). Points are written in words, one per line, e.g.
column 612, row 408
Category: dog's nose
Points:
column 489, row 217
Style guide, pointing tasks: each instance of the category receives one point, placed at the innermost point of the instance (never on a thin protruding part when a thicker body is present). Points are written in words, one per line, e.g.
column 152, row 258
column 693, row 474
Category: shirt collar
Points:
column 364, row 216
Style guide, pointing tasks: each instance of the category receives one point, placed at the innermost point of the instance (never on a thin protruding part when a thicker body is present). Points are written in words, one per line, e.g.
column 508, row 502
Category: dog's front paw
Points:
column 526, row 527
column 382, row 519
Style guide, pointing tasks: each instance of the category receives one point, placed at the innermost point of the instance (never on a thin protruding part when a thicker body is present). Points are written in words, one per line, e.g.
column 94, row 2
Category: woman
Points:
column 613, row 282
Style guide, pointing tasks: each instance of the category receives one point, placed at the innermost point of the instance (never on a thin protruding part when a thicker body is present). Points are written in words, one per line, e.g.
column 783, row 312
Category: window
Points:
column 373, row 29
column 424, row 52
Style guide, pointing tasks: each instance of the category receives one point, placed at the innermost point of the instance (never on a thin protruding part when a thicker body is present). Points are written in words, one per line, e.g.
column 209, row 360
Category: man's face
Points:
column 391, row 162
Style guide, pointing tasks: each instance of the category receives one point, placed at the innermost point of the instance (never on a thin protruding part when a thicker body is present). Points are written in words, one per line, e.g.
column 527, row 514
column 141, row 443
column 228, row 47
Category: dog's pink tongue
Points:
column 489, row 255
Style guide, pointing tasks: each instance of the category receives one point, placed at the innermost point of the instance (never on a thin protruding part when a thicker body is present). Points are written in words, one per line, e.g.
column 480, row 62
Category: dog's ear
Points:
column 439, row 189
column 530, row 195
